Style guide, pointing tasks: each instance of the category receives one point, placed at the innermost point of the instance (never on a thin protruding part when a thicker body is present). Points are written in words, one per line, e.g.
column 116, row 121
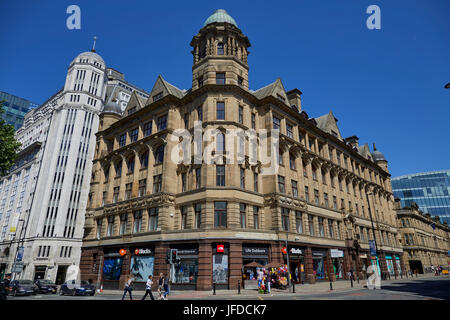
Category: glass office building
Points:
column 430, row 190
column 15, row 109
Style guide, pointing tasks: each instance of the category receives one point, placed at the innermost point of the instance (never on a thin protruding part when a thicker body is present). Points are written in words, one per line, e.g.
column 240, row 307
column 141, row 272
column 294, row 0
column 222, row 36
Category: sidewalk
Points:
column 300, row 289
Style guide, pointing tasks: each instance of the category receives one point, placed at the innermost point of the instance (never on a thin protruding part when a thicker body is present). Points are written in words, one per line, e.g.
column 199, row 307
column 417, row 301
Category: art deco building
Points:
column 425, row 240
column 43, row 197
column 327, row 197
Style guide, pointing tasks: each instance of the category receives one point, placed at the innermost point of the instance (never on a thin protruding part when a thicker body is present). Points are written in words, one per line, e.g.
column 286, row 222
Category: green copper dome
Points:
column 220, row 16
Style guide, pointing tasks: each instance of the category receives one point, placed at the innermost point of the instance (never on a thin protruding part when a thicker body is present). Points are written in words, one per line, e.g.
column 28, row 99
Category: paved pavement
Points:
column 424, row 287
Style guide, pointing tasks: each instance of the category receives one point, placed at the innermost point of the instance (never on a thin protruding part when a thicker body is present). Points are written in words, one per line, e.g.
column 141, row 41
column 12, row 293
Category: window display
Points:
column 318, row 267
column 112, row 268
column 220, row 268
column 186, row 271
column 141, row 267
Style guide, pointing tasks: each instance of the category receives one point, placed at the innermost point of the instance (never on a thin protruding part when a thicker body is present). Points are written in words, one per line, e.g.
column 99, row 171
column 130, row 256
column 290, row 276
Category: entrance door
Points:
column 39, row 272
column 61, row 274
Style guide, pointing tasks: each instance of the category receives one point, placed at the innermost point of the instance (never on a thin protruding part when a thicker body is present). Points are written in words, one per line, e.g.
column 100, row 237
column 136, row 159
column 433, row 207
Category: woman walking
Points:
column 128, row 288
column 148, row 288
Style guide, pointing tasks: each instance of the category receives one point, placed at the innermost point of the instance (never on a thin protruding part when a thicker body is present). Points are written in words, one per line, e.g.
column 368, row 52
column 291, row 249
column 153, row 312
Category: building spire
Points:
column 93, row 47
column 374, row 148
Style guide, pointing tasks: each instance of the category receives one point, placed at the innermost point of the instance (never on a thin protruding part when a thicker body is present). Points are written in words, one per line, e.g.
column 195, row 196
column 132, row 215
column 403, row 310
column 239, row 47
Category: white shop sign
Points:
column 336, row 253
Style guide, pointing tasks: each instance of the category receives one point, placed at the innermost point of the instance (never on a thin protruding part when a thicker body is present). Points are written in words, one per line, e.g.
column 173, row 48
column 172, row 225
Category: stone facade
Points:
column 328, row 192
column 425, row 240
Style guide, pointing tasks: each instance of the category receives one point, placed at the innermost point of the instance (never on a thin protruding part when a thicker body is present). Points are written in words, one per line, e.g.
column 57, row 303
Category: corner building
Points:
column 225, row 215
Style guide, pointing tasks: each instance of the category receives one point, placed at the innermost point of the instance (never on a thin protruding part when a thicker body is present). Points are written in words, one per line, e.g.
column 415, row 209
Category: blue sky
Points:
column 385, row 86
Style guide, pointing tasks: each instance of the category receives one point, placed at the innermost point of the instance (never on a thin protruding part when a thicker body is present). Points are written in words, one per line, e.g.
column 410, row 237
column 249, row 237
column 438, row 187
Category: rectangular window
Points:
column 99, row 227
column 316, row 196
column 159, row 154
column 186, row 120
column 123, row 223
column 306, row 194
column 285, row 219
column 240, row 81
column 200, row 81
column 183, row 217
column 325, row 199
column 157, row 183
column 162, row 122
column 183, row 182
column 144, row 160
column 330, row 228
column 110, row 230
column 334, row 203
column 299, row 221
column 153, row 219
column 242, row 172
column 281, row 187
column 142, row 187
column 256, row 217
column 198, row 215
column 292, row 162
column 134, row 135
column 255, row 182
column 137, row 221
column 276, row 123
column 116, row 194
column 122, row 140
column 294, row 189
column 241, row 115
column 220, row 77
column 104, row 197
column 243, row 215
column 220, row 213
column 128, row 189
column 289, row 131
column 200, row 114
column 321, row 228
column 305, row 170
column 148, row 129
column 198, row 177
column 253, row 121
column 220, row 110
column 311, row 224
column 220, row 176
column 130, row 165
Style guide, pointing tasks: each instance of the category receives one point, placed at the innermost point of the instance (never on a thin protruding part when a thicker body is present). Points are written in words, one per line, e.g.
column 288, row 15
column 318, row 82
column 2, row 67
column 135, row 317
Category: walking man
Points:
column 128, row 288
column 148, row 288
column 4, row 287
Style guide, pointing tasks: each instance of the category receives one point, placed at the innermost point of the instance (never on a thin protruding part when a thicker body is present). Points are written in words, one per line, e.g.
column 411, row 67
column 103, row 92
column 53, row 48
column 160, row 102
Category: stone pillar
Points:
column 330, row 269
column 160, row 265
column 310, row 278
column 235, row 265
column 125, row 267
column 204, row 279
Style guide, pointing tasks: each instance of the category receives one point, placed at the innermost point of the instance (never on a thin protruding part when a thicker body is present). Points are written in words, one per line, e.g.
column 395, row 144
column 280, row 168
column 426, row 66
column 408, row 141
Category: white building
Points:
column 44, row 196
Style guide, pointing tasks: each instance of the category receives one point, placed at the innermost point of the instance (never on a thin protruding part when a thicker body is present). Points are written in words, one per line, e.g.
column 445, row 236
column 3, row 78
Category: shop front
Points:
column 398, row 264
column 112, row 269
column 220, row 265
column 253, row 254
column 390, row 265
column 364, row 264
column 184, row 275
column 320, row 266
column 337, row 262
column 297, row 264
column 142, row 265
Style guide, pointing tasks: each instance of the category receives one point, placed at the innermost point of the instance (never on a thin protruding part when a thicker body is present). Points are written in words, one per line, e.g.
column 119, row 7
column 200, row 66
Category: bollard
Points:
column 401, row 275
column 351, row 281
column 331, row 285
column 358, row 278
column 395, row 276
column 293, row 286
column 239, row 286
column 214, row 288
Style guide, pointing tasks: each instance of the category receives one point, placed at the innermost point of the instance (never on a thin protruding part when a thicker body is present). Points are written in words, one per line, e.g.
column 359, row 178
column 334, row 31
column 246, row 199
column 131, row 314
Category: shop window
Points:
column 220, row 268
column 141, row 267
column 112, row 268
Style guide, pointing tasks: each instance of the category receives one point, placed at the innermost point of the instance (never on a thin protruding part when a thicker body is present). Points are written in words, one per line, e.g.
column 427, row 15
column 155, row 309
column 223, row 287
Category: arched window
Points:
column 130, row 164
column 220, row 143
column 144, row 160
column 220, row 49
column 118, row 168
column 159, row 154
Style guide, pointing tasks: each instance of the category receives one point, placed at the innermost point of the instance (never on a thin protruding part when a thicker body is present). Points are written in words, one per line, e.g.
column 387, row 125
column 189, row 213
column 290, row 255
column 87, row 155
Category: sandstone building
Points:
column 327, row 198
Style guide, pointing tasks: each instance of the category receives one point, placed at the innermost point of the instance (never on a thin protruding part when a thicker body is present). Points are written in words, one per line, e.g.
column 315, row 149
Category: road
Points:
column 430, row 288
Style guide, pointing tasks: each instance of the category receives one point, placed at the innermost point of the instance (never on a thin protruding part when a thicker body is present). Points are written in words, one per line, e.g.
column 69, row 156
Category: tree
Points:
column 8, row 144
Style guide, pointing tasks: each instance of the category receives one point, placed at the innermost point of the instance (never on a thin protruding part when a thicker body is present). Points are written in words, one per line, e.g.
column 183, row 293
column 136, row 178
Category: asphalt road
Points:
column 419, row 289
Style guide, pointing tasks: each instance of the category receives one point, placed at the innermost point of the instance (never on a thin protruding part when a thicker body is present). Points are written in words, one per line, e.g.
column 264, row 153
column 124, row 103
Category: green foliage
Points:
column 8, row 144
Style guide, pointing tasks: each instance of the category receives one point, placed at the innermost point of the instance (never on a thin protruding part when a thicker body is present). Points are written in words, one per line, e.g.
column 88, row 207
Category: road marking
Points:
column 260, row 298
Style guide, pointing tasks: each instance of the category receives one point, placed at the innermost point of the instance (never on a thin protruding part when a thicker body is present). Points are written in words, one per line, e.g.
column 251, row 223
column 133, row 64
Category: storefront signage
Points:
column 187, row 252
column 363, row 256
column 122, row 252
column 283, row 250
column 112, row 254
column 296, row 251
column 255, row 251
column 220, row 248
column 336, row 253
column 142, row 251
column 318, row 253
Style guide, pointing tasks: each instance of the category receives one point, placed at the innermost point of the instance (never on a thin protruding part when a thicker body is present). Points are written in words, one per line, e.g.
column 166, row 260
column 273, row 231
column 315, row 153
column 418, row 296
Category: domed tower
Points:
column 86, row 80
column 220, row 52
column 379, row 159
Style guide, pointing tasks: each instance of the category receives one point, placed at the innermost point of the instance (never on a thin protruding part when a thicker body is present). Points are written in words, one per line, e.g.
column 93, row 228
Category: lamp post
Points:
column 373, row 227
column 19, row 243
column 288, row 265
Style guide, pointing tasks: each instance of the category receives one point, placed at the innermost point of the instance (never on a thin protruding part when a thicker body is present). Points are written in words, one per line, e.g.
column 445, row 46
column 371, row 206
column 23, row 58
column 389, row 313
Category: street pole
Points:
column 373, row 231
column 288, row 265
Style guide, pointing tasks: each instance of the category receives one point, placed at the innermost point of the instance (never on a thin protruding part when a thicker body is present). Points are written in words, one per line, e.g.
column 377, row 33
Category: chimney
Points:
column 353, row 141
column 295, row 99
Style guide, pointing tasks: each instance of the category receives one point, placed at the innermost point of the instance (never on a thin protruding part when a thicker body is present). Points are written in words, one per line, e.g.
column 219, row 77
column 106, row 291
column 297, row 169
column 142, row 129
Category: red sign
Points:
column 283, row 250
column 220, row 248
column 136, row 252
column 122, row 252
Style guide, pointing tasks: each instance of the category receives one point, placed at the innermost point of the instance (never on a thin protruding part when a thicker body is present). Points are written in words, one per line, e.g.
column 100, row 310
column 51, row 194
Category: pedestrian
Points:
column 260, row 277
column 4, row 287
column 269, row 280
column 148, row 288
column 166, row 288
column 128, row 288
column 160, row 285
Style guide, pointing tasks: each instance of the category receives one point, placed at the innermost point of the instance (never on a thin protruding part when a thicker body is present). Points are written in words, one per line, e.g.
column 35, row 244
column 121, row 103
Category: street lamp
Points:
column 18, row 245
column 373, row 227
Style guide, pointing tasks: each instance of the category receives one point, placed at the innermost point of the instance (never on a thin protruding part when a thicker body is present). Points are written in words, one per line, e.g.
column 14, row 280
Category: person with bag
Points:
column 148, row 288
column 160, row 285
column 165, row 287
column 128, row 288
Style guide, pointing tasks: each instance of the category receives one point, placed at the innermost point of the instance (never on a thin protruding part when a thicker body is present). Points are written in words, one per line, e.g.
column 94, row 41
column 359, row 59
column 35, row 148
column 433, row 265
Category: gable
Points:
column 134, row 104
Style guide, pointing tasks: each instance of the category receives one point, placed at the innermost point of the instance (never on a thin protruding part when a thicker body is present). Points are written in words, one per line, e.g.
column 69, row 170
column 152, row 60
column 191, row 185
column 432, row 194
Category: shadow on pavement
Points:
column 428, row 288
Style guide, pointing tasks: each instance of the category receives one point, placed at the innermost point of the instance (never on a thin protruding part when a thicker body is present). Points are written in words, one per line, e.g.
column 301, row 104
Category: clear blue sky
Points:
column 385, row 86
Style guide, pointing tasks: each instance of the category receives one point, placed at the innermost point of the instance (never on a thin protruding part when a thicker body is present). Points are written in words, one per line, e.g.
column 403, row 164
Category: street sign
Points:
column 19, row 254
column 17, row 267
column 373, row 250
column 12, row 230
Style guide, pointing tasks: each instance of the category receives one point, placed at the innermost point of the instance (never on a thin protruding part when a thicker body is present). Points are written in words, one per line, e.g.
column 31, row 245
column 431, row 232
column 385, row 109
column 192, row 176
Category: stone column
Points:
column 204, row 279
column 235, row 265
column 330, row 269
column 160, row 264
column 310, row 278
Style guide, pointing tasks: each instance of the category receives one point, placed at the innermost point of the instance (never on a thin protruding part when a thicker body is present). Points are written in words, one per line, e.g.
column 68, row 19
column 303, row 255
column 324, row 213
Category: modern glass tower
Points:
column 430, row 190
column 15, row 109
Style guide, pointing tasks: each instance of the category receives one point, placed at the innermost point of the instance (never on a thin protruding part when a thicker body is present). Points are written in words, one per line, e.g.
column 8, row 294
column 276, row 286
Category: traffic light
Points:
column 174, row 255
column 168, row 256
